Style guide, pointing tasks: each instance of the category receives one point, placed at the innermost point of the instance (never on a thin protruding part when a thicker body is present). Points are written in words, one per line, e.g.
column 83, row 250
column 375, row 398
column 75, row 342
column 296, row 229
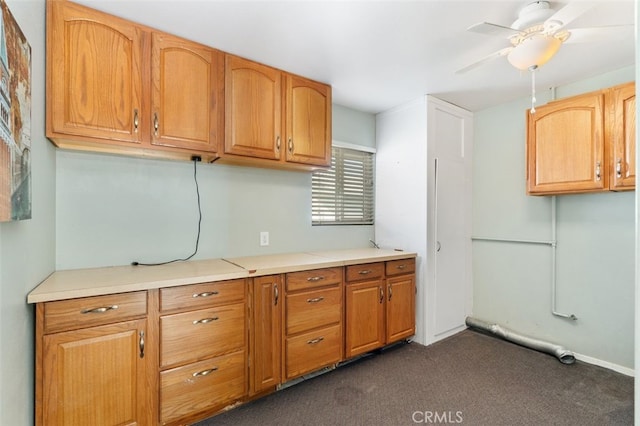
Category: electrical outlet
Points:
column 264, row 238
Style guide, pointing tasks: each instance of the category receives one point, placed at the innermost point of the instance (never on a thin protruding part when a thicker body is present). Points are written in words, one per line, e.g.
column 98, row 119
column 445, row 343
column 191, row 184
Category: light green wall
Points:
column 112, row 210
column 595, row 251
column 27, row 250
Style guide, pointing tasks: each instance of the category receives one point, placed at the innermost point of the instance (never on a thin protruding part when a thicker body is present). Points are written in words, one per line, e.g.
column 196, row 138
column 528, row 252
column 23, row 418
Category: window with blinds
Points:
column 343, row 194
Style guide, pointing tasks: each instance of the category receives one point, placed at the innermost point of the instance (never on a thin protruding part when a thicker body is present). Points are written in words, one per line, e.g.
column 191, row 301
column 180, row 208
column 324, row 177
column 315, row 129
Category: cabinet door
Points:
column 308, row 121
column 565, row 147
column 94, row 74
column 401, row 317
column 252, row 109
column 623, row 137
column 266, row 332
column 96, row 376
column 186, row 95
column 364, row 316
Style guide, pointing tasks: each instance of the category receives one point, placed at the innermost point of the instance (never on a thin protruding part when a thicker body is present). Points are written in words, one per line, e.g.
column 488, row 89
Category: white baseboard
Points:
column 608, row 365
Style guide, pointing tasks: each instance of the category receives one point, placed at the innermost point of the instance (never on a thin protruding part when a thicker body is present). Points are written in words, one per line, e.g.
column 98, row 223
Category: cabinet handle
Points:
column 598, row 171
column 136, row 121
column 619, row 168
column 365, row 272
column 100, row 310
column 381, row 294
column 141, row 344
column 290, row 145
column 401, row 267
column 390, row 292
column 205, row 294
column 205, row 372
column 205, row 320
column 278, row 143
column 156, row 124
column 315, row 341
column 315, row 300
column 314, row 279
column 276, row 294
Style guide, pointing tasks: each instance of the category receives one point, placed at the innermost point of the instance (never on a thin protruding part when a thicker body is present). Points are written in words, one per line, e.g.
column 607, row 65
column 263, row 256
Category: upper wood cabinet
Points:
column 622, row 137
column 94, row 75
column 188, row 83
column 253, row 109
column 275, row 116
column 115, row 86
column 581, row 144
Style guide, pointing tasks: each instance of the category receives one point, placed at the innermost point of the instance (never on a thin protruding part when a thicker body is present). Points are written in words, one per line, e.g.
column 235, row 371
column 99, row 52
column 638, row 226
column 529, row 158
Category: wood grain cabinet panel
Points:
column 196, row 388
column 94, row 75
column 266, row 332
column 253, row 113
column 202, row 295
column 622, row 137
column 190, row 336
column 583, row 144
column 119, row 87
column 364, row 317
column 312, row 350
column 186, row 97
column 400, row 306
column 312, row 309
column 96, row 376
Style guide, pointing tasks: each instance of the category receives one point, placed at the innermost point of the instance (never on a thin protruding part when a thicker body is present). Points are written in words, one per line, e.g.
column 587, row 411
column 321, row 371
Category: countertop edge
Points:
column 49, row 290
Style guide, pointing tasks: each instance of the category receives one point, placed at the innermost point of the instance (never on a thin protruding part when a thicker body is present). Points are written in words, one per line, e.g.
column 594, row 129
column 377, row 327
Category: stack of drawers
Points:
column 203, row 347
column 313, row 320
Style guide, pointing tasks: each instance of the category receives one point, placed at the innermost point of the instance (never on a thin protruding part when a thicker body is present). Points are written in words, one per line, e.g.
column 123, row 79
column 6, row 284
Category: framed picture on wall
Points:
column 15, row 120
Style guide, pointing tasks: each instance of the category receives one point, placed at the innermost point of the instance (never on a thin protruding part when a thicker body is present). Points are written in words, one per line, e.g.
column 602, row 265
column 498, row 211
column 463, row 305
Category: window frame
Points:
column 345, row 209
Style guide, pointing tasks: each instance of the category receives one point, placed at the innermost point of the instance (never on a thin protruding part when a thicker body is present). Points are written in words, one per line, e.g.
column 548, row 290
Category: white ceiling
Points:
column 380, row 54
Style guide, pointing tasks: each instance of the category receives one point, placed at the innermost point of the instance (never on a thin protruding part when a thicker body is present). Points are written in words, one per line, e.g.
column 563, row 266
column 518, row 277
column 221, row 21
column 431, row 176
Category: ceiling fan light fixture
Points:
column 534, row 51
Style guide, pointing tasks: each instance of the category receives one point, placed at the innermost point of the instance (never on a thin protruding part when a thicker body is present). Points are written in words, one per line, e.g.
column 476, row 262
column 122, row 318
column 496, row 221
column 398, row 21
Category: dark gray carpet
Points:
column 470, row 378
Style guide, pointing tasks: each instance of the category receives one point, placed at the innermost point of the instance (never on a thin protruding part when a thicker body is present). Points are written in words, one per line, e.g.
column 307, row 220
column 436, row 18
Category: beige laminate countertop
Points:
column 74, row 283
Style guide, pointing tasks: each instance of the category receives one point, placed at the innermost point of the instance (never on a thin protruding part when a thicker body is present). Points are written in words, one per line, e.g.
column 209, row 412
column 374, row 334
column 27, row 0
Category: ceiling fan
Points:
column 539, row 32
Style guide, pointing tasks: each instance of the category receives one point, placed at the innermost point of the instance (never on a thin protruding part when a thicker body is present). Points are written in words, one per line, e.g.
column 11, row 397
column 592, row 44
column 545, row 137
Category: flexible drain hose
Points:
column 565, row 356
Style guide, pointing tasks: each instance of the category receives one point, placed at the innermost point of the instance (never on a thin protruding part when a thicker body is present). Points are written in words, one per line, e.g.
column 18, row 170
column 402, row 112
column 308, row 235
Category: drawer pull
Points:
column 204, row 372
column 365, row 272
column 205, row 320
column 315, row 341
column 390, row 292
column 100, row 310
column 314, row 279
column 401, row 267
column 205, row 294
column 315, row 300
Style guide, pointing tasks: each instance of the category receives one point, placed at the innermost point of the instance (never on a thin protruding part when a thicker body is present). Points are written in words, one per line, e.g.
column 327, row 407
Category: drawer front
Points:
column 312, row 351
column 90, row 311
column 313, row 309
column 367, row 271
column 202, row 295
column 314, row 278
column 194, row 335
column 201, row 386
column 403, row 266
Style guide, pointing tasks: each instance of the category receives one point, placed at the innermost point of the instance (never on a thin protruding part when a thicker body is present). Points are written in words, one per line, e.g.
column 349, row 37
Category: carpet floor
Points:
column 470, row 378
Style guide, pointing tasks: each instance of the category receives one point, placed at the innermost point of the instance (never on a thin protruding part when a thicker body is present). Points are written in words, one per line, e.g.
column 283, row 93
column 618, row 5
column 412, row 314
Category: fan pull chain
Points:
column 533, row 69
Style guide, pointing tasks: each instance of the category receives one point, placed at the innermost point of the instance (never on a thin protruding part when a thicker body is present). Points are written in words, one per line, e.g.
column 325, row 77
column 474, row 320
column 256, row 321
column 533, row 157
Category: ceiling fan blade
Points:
column 600, row 34
column 494, row 55
column 493, row 30
column 567, row 14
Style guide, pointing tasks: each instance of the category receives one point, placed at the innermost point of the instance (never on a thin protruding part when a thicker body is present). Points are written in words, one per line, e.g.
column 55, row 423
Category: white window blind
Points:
column 343, row 194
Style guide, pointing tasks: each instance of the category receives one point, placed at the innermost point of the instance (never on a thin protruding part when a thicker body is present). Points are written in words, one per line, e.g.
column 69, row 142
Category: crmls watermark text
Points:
column 442, row 417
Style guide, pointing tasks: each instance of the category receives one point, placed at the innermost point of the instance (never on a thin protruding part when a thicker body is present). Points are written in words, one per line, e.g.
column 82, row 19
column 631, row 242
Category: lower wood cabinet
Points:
column 379, row 305
column 203, row 352
column 313, row 321
column 177, row 355
column 266, row 333
column 92, row 374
